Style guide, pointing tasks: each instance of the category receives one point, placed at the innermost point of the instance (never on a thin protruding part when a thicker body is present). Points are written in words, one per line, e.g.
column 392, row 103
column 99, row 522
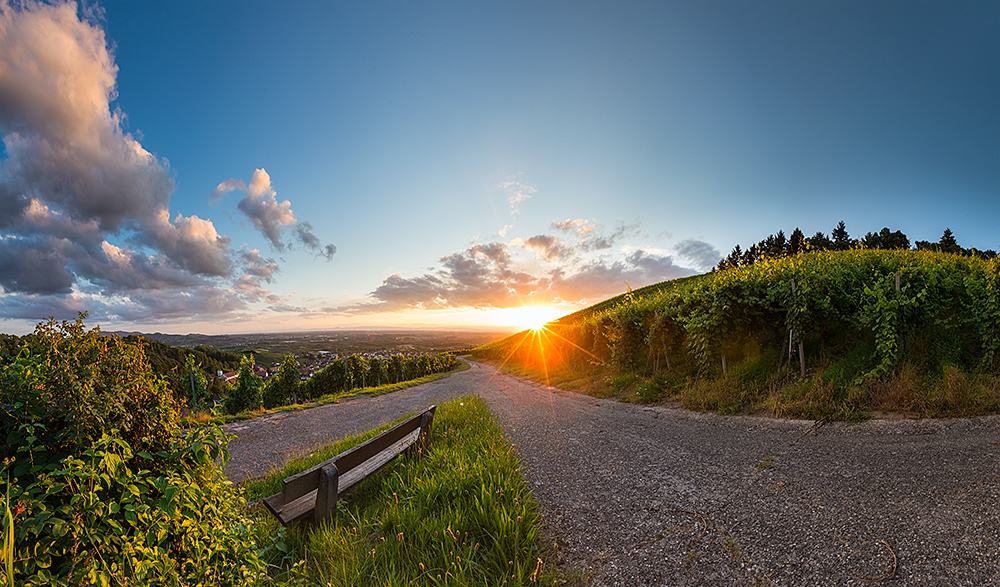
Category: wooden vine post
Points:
column 900, row 352
column 802, row 352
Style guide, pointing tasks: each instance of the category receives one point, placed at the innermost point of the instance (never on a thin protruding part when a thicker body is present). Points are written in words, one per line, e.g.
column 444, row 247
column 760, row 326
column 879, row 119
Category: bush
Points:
column 100, row 485
column 68, row 386
column 111, row 516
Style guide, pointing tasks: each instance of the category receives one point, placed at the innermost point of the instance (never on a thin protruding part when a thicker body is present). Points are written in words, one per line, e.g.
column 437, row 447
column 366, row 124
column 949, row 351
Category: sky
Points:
column 248, row 166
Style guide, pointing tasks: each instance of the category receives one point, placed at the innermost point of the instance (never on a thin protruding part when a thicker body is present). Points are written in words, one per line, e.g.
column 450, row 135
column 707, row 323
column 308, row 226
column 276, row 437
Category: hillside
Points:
column 828, row 334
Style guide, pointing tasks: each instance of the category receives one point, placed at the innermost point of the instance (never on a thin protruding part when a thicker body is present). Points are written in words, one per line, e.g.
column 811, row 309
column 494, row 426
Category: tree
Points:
column 733, row 260
column 284, row 386
column 841, row 240
column 886, row 240
column 247, row 394
column 820, row 242
column 796, row 243
column 396, row 367
column 948, row 244
column 328, row 380
column 197, row 384
column 894, row 240
column 356, row 367
column 376, row 367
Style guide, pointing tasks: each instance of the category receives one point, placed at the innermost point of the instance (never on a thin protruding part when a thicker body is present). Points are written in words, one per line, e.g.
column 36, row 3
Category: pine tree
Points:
column 797, row 242
column 948, row 244
column 841, row 240
column 819, row 242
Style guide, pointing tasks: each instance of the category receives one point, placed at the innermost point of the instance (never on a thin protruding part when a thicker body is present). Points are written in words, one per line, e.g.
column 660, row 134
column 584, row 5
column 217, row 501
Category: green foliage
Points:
column 197, row 384
column 108, row 516
column 281, row 389
column 170, row 363
column 248, row 393
column 101, row 488
column 69, row 386
column 854, row 316
column 622, row 382
column 7, row 549
column 359, row 372
column 648, row 393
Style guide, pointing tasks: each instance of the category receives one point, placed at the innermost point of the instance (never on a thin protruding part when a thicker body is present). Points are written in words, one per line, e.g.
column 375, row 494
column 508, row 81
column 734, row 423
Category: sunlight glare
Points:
column 531, row 317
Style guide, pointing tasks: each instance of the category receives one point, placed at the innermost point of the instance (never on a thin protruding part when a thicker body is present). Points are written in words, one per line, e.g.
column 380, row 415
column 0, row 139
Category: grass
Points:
column 832, row 390
column 198, row 419
column 457, row 513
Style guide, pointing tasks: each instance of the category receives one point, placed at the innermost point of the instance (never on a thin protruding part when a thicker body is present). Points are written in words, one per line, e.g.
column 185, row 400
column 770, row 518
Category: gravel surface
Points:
column 635, row 495
column 265, row 444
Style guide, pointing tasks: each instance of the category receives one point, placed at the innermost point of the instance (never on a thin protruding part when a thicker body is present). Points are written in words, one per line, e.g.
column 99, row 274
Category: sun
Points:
column 531, row 317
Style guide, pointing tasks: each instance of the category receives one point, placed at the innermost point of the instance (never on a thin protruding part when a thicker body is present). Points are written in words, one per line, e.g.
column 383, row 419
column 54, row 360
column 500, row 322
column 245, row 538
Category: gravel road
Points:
column 635, row 495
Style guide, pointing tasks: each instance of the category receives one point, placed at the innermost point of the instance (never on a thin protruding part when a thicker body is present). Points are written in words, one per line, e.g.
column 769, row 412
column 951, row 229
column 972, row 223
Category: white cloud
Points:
column 494, row 275
column 84, row 208
column 261, row 206
column 516, row 192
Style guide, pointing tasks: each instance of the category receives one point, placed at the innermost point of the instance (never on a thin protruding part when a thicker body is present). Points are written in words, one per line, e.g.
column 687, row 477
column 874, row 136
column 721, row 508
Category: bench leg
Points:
column 326, row 497
column 426, row 420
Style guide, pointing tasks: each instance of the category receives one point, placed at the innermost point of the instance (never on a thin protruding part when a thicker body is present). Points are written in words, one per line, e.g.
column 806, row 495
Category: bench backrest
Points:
column 302, row 483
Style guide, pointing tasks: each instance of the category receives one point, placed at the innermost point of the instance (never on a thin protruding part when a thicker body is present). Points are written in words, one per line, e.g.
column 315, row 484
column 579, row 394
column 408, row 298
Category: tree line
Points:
column 340, row 376
column 778, row 245
column 190, row 373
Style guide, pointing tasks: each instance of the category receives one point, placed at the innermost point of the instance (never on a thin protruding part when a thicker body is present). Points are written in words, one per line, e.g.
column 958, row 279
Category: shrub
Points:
column 247, row 394
column 68, row 386
column 100, row 486
column 111, row 516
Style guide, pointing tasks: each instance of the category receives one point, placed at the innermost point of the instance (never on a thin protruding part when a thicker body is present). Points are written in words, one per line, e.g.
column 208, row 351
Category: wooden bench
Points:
column 312, row 494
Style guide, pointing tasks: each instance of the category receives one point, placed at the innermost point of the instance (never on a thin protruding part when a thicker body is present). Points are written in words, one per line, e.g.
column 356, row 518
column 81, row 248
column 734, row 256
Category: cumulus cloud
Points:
column 258, row 266
column 547, row 247
column 703, row 255
column 479, row 276
column 580, row 227
column 490, row 276
column 261, row 206
column 84, row 208
column 597, row 240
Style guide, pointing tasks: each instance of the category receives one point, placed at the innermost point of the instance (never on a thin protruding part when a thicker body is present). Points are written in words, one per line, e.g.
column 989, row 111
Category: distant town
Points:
column 315, row 350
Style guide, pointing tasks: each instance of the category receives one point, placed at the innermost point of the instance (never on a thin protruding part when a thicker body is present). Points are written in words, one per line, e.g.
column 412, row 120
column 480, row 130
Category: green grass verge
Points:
column 456, row 513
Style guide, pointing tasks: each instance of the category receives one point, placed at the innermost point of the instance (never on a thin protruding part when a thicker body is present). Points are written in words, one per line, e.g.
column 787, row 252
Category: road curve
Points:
column 635, row 495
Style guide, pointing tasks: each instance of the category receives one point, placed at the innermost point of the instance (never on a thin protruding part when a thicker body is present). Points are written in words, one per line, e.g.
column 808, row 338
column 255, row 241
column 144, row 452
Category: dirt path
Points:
column 636, row 495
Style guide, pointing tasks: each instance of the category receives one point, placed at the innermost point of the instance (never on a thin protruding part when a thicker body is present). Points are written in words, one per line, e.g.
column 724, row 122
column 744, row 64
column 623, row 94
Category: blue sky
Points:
column 248, row 166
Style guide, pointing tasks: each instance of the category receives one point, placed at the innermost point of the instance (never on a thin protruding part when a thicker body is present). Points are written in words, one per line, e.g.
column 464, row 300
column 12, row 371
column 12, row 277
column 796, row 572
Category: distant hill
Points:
column 822, row 334
column 344, row 342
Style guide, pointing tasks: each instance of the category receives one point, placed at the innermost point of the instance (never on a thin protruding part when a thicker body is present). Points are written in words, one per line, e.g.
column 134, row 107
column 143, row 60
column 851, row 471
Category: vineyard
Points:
column 828, row 334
